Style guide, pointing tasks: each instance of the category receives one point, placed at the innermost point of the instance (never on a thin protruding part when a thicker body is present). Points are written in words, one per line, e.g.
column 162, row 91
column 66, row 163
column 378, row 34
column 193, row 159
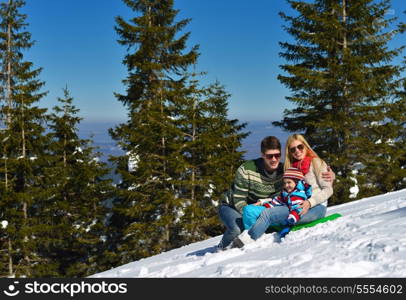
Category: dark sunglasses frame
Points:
column 270, row 156
column 293, row 149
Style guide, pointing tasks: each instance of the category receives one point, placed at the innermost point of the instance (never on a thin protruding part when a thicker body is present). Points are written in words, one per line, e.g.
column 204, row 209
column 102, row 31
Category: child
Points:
column 295, row 192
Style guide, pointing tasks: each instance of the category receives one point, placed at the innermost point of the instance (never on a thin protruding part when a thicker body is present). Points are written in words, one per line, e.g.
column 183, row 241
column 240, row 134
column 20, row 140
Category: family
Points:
column 266, row 192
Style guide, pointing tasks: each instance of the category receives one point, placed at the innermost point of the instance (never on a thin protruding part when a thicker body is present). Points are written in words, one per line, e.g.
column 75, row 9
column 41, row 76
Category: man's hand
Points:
column 328, row 176
column 305, row 206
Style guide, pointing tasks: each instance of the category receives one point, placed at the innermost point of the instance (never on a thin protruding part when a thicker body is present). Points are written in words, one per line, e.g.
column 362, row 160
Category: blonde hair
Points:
column 309, row 152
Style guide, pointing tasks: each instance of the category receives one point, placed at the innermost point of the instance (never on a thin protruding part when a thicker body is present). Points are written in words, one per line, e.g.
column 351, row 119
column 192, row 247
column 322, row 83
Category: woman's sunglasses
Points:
column 293, row 149
column 270, row 156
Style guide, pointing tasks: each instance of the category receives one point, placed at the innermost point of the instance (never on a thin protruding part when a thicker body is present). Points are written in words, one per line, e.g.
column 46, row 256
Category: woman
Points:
column 299, row 154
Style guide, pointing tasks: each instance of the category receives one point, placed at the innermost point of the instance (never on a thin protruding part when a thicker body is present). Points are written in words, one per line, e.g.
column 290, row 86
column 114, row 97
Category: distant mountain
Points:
column 98, row 132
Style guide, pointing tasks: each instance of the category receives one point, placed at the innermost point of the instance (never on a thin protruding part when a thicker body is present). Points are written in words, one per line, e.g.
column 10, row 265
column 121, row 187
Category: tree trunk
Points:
column 193, row 192
column 8, row 56
column 345, row 135
column 10, row 259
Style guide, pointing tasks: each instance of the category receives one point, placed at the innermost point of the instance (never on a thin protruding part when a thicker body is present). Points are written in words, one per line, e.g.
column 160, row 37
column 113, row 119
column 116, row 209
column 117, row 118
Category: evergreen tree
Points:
column 390, row 174
column 343, row 86
column 77, row 191
column 210, row 154
column 384, row 169
column 23, row 144
column 178, row 140
column 146, row 208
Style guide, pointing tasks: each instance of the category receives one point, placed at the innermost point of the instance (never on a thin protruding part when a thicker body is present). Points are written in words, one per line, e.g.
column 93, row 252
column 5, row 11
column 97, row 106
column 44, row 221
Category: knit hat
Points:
column 293, row 173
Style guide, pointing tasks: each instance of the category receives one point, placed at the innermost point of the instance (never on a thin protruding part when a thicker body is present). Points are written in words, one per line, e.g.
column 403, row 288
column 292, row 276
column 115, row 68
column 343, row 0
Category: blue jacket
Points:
column 302, row 192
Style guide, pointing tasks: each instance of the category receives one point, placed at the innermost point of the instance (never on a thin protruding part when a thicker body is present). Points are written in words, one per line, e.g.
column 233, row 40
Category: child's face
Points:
column 289, row 184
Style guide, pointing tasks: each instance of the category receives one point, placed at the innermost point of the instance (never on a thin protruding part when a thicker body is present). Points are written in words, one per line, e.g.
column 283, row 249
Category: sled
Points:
column 306, row 225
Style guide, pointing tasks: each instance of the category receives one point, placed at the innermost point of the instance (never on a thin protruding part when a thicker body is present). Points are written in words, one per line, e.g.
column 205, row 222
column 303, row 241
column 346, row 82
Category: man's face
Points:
column 271, row 159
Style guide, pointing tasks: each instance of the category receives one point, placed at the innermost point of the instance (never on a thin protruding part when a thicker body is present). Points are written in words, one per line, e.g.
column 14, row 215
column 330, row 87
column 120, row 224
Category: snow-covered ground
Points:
column 368, row 241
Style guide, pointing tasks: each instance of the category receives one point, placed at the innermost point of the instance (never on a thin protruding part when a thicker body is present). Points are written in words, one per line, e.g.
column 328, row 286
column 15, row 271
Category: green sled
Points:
column 311, row 224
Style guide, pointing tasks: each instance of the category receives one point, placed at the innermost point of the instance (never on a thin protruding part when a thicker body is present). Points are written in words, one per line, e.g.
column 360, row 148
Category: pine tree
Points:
column 384, row 167
column 181, row 148
column 211, row 157
column 389, row 138
column 146, row 208
column 343, row 84
column 77, row 193
column 23, row 144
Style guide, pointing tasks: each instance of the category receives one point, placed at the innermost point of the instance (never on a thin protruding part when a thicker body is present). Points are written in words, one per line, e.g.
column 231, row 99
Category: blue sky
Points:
column 76, row 46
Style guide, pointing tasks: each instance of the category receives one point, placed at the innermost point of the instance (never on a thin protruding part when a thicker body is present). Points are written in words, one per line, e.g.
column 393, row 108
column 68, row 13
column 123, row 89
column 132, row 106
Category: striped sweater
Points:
column 252, row 183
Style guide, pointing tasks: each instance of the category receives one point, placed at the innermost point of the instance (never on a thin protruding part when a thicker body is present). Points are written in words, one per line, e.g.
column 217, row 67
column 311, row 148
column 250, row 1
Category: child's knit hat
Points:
column 293, row 173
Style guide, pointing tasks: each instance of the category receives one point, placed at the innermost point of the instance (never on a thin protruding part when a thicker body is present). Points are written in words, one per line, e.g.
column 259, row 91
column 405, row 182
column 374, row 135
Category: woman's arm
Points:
column 329, row 175
column 325, row 188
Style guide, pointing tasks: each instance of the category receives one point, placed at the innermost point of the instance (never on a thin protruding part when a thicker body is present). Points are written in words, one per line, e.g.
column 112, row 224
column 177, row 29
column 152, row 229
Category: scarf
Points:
column 303, row 165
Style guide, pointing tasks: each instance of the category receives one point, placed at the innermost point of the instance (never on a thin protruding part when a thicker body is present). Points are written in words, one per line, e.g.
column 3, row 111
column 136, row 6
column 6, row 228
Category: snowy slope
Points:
column 368, row 241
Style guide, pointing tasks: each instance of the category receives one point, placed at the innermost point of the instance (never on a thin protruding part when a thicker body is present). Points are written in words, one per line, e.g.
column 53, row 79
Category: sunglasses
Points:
column 270, row 156
column 293, row 149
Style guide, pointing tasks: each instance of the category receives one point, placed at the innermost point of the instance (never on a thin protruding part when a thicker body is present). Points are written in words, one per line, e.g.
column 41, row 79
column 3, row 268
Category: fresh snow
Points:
column 368, row 241
column 4, row 224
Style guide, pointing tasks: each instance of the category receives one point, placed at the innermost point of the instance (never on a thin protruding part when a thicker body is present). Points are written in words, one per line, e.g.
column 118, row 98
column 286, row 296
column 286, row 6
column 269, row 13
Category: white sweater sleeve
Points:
column 322, row 190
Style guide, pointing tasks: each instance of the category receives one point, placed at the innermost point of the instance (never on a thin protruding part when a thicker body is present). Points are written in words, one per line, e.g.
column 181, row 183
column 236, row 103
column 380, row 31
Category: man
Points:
column 255, row 179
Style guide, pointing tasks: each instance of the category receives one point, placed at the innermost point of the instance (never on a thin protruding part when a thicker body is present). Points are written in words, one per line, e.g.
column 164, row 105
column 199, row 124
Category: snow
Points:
column 354, row 190
column 368, row 241
column 4, row 224
column 133, row 160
